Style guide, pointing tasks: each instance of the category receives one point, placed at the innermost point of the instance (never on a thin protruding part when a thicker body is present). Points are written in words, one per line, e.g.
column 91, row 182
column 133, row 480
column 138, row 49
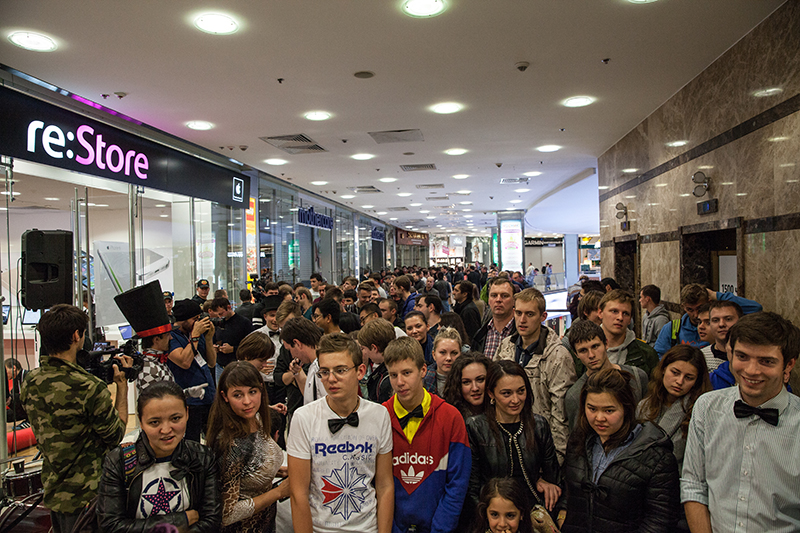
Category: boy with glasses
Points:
column 340, row 451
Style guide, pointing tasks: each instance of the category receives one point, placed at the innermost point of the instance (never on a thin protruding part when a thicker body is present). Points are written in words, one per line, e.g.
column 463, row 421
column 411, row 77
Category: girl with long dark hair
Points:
column 239, row 434
column 465, row 388
column 620, row 474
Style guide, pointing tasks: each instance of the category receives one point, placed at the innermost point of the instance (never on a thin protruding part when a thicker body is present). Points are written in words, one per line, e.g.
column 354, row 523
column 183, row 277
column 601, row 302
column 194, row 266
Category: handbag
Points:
column 540, row 517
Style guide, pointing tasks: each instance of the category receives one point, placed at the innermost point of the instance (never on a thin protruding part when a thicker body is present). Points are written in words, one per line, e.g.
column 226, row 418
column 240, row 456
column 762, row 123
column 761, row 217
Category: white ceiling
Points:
column 174, row 73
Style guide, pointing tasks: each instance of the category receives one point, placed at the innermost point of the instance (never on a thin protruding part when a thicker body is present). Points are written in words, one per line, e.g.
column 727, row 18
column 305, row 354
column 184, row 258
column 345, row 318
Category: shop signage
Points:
column 542, row 241
column 307, row 217
column 412, row 238
column 378, row 234
column 41, row 132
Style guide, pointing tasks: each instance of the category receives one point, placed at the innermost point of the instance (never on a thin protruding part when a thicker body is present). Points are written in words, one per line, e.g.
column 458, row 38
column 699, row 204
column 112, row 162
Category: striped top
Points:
column 745, row 470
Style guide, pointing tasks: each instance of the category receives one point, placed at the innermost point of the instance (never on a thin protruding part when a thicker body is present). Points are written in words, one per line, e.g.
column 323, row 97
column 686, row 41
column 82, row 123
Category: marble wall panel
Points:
column 660, row 265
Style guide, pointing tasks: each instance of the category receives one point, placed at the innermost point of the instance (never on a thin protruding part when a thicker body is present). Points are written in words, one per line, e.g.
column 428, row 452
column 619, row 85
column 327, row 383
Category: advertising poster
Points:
column 511, row 245
column 250, row 229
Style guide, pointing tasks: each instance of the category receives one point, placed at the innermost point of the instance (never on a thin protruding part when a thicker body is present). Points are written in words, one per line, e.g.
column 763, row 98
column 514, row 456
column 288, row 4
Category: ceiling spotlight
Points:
column 404, row 194
column 629, row 170
column 348, row 196
column 35, row 42
column 677, row 144
column 393, row 218
column 423, row 8
column 642, row 1
column 465, row 203
column 216, row 24
column 367, row 206
column 521, row 190
column 532, row 174
column 424, row 211
column 52, row 199
column 578, row 101
column 772, row 91
column 549, row 148
column 275, row 162
column 361, row 157
column 200, row 125
column 455, row 151
column 516, row 201
column 460, row 176
column 319, row 183
column 416, row 204
column 317, row 115
column 387, row 180
column 445, row 108
column 464, row 191
column 381, row 213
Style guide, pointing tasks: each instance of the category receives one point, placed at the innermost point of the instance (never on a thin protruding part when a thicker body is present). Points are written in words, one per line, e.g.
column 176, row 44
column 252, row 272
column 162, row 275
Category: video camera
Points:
column 95, row 363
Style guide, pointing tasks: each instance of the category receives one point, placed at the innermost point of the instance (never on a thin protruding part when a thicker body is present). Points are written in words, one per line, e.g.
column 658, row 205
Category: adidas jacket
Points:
column 431, row 475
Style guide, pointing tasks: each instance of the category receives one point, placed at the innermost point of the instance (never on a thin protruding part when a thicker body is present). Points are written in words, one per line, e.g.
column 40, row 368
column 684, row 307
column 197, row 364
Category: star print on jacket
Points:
column 343, row 491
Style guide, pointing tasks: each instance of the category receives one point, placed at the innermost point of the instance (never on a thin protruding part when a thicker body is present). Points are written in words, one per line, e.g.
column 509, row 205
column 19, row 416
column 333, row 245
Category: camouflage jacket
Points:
column 74, row 420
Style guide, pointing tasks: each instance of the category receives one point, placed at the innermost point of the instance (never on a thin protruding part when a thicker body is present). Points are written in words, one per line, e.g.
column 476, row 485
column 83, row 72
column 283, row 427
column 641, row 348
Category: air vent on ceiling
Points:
column 397, row 209
column 437, row 198
column 513, row 181
column 450, row 206
column 423, row 166
column 431, row 186
column 297, row 143
column 396, row 136
column 415, row 221
column 364, row 189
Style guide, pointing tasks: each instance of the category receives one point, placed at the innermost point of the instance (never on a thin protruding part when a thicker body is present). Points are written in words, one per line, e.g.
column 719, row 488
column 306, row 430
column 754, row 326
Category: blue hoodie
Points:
column 687, row 334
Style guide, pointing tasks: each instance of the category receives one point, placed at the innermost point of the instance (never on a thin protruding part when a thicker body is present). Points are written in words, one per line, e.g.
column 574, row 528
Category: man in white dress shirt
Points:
column 742, row 461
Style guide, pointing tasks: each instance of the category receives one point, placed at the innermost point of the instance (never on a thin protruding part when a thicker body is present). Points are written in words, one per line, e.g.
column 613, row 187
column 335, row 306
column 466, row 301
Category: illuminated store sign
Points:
column 307, row 217
column 378, row 234
column 34, row 130
column 511, row 245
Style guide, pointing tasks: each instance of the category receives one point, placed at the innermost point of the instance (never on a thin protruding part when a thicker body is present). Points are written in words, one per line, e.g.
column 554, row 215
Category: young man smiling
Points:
column 547, row 362
column 431, row 457
column 752, row 486
column 340, row 451
column 589, row 342
column 623, row 347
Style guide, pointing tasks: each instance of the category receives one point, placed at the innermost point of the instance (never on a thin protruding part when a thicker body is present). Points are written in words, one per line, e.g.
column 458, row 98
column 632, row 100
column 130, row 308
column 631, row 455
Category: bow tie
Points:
column 416, row 413
column 273, row 333
column 742, row 410
column 335, row 424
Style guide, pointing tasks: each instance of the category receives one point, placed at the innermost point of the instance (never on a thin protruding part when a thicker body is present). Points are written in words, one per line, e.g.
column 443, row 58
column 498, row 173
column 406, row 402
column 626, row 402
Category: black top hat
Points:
column 144, row 308
column 271, row 303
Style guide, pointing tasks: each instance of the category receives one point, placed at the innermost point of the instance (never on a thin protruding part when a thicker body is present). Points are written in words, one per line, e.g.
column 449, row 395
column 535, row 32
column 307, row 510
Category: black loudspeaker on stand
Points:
column 47, row 276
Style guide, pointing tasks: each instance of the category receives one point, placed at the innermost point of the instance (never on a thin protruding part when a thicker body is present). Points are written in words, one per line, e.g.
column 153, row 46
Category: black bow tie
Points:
column 743, row 410
column 335, row 424
column 273, row 333
column 416, row 413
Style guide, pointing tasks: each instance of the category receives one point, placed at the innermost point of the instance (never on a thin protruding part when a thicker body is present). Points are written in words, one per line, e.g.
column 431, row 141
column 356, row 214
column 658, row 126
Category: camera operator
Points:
column 72, row 416
column 192, row 358
column 230, row 330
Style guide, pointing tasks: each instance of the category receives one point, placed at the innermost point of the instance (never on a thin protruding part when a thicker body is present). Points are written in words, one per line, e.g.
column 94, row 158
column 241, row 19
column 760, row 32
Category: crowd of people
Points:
column 425, row 400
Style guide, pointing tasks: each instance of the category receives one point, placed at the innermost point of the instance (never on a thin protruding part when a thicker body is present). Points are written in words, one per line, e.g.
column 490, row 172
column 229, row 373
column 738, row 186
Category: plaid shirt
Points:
column 494, row 338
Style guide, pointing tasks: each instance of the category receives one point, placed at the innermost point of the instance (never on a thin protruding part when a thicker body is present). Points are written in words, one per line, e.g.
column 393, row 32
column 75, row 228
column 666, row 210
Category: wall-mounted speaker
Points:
column 47, row 275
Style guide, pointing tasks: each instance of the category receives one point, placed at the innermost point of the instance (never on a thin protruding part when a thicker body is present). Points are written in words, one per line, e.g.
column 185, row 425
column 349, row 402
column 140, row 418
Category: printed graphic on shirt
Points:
column 344, row 491
column 160, row 496
column 410, row 477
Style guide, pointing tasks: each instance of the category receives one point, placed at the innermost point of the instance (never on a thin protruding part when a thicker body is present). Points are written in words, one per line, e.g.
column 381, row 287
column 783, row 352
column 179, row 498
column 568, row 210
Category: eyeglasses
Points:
column 340, row 372
column 364, row 318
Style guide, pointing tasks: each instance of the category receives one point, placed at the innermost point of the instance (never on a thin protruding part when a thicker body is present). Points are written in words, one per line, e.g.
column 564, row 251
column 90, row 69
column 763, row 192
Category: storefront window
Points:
column 345, row 248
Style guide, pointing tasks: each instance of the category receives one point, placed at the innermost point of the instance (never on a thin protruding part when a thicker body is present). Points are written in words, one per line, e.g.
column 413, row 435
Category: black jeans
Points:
column 198, row 419
column 63, row 522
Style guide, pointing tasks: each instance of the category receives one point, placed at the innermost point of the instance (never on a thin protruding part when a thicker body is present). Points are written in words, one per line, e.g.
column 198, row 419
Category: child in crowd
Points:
column 503, row 508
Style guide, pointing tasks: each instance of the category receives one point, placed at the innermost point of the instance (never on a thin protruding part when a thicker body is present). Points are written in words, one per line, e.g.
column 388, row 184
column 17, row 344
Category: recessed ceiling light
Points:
column 512, row 208
column 661, row 184
column 439, row 226
column 361, row 157
column 275, row 162
column 771, row 91
column 521, row 190
column 467, row 216
column 387, row 180
column 317, row 115
column 641, row 1
column 381, row 212
column 157, row 205
column 445, row 108
column 348, row 196
column 319, row 183
column 465, row 203
column 52, row 199
column 532, row 174
column 461, row 176
column 423, row 8
column 676, row 144
column 549, row 148
column 684, row 195
column 423, row 211
column 516, row 201
column 786, row 165
column 726, row 183
column 199, row 125
column 35, row 42
column 163, row 216
column 629, row 170
column 415, row 204
column 466, row 210
column 409, row 227
column 216, row 24
column 367, row 206
column 603, row 187
column 404, row 194
column 778, row 139
column 741, row 194
column 464, row 191
column 430, row 217
column 455, row 151
column 706, row 167
column 393, row 218
column 578, row 101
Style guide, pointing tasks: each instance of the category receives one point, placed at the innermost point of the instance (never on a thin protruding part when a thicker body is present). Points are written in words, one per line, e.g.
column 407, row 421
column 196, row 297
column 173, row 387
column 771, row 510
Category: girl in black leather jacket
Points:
column 509, row 440
column 621, row 475
column 164, row 478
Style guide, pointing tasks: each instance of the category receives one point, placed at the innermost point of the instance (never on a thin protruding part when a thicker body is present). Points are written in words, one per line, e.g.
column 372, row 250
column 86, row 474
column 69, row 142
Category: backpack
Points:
column 87, row 521
column 676, row 328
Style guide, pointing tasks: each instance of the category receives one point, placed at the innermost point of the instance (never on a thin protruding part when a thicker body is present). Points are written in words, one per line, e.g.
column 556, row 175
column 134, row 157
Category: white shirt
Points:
column 746, row 471
column 312, row 381
column 344, row 464
column 161, row 494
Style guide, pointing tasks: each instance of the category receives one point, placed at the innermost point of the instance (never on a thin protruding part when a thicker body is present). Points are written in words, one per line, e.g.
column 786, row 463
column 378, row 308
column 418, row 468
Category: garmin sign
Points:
column 34, row 130
column 307, row 217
